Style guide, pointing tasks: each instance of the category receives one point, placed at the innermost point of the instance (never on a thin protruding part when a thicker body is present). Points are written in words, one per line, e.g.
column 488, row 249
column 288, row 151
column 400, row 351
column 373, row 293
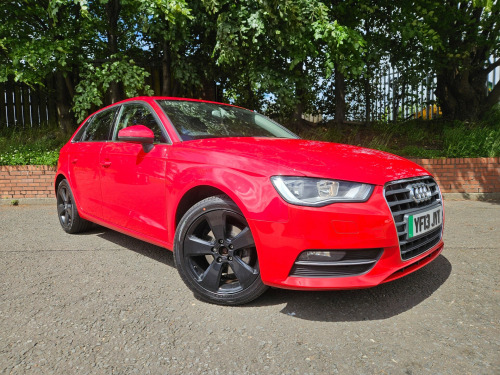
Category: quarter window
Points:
column 137, row 114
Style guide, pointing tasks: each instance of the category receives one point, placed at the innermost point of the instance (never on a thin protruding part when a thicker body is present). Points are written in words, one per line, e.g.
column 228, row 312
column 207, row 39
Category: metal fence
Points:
column 396, row 99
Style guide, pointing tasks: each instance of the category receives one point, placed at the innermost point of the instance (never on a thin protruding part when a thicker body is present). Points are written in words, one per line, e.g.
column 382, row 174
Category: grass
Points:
column 33, row 146
column 418, row 138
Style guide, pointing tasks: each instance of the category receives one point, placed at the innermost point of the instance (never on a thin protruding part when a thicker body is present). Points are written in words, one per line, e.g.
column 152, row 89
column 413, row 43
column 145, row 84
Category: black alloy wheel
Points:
column 67, row 212
column 215, row 253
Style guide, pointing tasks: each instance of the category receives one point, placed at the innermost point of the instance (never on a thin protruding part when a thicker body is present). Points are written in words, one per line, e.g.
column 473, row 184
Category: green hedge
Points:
column 31, row 146
column 419, row 138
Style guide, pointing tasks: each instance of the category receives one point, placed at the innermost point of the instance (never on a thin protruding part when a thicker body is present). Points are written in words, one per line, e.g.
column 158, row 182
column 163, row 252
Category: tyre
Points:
column 67, row 212
column 215, row 254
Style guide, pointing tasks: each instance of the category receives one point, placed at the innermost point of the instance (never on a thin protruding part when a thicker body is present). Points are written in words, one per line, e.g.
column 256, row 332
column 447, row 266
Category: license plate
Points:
column 421, row 223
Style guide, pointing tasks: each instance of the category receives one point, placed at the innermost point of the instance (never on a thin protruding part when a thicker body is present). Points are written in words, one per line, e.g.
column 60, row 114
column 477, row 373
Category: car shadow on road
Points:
column 154, row 252
column 381, row 302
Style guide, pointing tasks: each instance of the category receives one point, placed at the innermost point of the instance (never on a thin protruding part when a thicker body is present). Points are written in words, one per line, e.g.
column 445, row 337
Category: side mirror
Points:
column 138, row 134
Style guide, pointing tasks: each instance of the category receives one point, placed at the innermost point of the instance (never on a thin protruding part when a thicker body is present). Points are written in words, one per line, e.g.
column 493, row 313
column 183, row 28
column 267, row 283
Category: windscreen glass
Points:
column 197, row 120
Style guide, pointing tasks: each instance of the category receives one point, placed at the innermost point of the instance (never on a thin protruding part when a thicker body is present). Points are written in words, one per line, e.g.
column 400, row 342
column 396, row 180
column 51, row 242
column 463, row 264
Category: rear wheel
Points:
column 215, row 253
column 67, row 212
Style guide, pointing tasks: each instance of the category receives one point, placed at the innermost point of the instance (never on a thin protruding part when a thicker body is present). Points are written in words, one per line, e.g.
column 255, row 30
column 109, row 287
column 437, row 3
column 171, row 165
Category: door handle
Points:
column 106, row 164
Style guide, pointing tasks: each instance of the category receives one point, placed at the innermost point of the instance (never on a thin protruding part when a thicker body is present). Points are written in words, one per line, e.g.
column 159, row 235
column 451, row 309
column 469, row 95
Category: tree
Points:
column 458, row 38
column 108, row 70
column 37, row 45
column 283, row 47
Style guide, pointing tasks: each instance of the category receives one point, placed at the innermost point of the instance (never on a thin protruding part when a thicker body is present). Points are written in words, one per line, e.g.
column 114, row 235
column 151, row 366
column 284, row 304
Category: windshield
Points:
column 197, row 120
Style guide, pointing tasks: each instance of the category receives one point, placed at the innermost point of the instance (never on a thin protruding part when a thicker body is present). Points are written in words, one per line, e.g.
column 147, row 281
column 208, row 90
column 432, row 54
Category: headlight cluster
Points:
column 306, row 191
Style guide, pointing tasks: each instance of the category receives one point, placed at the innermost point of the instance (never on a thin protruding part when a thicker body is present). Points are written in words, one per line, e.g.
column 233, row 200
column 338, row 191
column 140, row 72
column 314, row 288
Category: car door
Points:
column 133, row 180
column 84, row 170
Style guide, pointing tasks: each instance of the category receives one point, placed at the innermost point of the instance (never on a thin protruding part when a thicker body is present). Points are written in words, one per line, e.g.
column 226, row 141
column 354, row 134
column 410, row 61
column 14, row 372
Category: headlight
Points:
column 306, row 191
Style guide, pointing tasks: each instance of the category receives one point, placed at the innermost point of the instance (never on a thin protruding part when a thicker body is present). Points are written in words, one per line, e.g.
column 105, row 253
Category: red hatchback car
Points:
column 244, row 203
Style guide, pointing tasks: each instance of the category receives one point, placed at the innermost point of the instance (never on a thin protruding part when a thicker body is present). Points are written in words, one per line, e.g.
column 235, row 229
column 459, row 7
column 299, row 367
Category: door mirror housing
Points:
column 138, row 134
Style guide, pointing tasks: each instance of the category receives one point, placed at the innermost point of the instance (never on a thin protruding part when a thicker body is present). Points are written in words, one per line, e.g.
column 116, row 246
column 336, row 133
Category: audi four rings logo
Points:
column 419, row 192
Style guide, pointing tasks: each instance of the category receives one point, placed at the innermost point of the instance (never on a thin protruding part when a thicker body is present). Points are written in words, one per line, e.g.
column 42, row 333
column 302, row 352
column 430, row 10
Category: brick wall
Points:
column 27, row 181
column 465, row 175
column 461, row 175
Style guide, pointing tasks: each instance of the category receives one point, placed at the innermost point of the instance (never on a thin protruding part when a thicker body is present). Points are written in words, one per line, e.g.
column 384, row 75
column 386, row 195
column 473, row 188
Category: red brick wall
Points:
column 461, row 175
column 27, row 181
column 465, row 175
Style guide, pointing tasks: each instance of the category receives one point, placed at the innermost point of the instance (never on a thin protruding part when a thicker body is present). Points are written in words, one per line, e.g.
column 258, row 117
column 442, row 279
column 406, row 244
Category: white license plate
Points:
column 423, row 222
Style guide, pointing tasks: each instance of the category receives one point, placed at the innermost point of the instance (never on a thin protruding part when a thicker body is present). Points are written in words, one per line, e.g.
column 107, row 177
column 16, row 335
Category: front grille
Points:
column 401, row 203
column 353, row 263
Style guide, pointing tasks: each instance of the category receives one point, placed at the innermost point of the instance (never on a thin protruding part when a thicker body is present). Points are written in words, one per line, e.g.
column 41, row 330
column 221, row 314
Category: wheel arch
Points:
column 58, row 180
column 253, row 194
column 195, row 195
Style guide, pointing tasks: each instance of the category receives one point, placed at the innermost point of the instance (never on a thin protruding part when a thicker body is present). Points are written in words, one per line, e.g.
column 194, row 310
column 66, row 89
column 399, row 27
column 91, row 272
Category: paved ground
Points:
column 103, row 303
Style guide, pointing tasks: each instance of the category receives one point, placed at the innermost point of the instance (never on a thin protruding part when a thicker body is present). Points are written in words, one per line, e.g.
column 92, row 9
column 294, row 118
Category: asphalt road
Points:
column 104, row 303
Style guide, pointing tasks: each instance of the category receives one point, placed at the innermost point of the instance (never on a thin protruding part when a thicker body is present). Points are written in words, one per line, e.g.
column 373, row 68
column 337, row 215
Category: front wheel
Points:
column 215, row 253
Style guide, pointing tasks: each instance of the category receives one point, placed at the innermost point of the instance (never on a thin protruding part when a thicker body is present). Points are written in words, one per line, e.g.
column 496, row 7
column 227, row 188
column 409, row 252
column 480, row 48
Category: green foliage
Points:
column 278, row 56
column 38, row 39
column 492, row 117
column 468, row 139
column 417, row 138
column 283, row 48
column 96, row 81
column 461, row 141
column 30, row 146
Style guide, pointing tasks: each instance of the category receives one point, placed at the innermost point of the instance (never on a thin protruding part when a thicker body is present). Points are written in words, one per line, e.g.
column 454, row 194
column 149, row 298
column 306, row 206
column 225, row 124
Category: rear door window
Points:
column 98, row 129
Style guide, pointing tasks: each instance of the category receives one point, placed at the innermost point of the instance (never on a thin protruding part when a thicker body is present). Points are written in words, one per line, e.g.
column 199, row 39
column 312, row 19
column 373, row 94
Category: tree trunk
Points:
column 10, row 102
column 166, row 70
column 17, row 103
column 52, row 106
column 299, row 94
column 66, row 119
column 3, row 118
column 340, row 105
column 26, row 107
column 208, row 90
column 113, row 8
column 461, row 96
column 368, row 74
column 299, row 107
column 462, row 93
column 69, row 85
column 368, row 99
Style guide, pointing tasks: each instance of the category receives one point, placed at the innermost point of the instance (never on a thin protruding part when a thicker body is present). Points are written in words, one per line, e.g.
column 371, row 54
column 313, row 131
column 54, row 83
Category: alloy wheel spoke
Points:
column 217, row 222
column 69, row 211
column 245, row 274
column 63, row 195
column 211, row 277
column 243, row 239
column 194, row 246
column 60, row 209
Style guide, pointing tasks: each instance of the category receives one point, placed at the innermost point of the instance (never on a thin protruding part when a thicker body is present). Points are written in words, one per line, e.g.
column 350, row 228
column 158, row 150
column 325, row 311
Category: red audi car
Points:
column 244, row 203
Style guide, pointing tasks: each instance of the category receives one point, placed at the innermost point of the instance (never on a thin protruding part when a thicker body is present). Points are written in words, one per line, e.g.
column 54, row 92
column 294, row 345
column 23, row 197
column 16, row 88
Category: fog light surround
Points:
column 317, row 255
column 319, row 263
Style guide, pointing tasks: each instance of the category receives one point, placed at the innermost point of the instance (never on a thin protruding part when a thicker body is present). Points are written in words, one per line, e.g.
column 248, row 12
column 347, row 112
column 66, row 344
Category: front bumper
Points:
column 340, row 226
